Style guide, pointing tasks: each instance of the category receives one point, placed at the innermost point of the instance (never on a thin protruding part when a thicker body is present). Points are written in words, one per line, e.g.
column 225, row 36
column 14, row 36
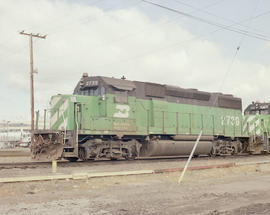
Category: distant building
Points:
column 14, row 134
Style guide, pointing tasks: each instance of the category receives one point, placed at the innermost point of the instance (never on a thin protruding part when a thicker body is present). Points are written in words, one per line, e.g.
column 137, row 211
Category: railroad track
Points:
column 63, row 164
column 17, row 153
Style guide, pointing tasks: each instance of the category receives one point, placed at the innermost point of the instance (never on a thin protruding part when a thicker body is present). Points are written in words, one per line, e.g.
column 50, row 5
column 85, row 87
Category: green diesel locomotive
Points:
column 121, row 119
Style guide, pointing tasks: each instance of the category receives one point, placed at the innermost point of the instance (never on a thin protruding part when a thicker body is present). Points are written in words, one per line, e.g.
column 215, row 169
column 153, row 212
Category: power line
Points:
column 255, row 17
column 209, row 22
column 235, row 53
column 121, row 38
column 182, row 42
column 250, row 21
column 212, row 14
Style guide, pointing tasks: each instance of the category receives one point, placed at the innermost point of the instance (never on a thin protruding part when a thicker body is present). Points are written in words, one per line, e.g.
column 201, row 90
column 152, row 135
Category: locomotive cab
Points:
column 257, row 119
column 256, row 124
column 257, row 108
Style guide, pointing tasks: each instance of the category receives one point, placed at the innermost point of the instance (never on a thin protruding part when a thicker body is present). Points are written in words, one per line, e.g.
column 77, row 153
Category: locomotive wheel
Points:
column 212, row 153
column 130, row 158
column 82, row 154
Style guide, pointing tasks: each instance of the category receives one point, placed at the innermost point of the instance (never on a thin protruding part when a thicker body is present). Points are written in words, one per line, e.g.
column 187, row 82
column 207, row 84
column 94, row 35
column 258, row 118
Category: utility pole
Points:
column 31, row 35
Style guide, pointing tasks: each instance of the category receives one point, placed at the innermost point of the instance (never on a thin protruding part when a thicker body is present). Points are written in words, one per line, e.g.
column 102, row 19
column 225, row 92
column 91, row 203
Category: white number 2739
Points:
column 230, row 120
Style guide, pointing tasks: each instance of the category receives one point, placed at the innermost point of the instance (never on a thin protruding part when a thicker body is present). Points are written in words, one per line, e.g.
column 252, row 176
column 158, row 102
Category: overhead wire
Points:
column 214, row 15
column 238, row 48
column 240, row 31
column 185, row 42
column 228, row 71
column 126, row 36
column 162, row 48
column 147, row 29
column 249, row 24
column 236, row 51
column 85, row 20
column 175, row 44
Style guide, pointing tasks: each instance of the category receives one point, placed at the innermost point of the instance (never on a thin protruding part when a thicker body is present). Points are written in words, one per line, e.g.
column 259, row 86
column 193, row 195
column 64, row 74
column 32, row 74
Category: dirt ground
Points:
column 236, row 190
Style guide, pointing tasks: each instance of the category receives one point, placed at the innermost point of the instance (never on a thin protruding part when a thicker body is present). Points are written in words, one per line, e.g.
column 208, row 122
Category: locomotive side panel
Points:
column 163, row 117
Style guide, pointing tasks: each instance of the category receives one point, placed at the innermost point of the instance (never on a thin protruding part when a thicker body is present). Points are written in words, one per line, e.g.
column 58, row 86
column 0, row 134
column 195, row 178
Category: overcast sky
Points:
column 135, row 39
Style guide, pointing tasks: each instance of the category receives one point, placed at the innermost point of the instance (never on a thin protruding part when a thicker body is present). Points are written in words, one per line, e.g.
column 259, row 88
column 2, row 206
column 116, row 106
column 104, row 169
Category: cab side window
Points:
column 102, row 91
column 121, row 97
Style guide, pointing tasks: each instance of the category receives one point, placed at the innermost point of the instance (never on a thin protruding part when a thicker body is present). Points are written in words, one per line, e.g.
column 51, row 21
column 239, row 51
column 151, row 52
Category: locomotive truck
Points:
column 110, row 118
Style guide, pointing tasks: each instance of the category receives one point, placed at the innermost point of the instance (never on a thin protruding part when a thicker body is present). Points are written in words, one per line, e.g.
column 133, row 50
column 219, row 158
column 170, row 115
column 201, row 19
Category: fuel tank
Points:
column 174, row 148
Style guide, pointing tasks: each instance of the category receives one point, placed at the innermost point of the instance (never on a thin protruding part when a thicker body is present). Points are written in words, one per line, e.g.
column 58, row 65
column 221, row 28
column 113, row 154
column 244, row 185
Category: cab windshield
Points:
column 96, row 91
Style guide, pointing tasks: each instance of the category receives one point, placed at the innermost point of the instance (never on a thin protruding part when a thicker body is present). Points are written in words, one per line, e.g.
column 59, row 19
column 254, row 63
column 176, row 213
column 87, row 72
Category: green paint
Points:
column 256, row 124
column 96, row 115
